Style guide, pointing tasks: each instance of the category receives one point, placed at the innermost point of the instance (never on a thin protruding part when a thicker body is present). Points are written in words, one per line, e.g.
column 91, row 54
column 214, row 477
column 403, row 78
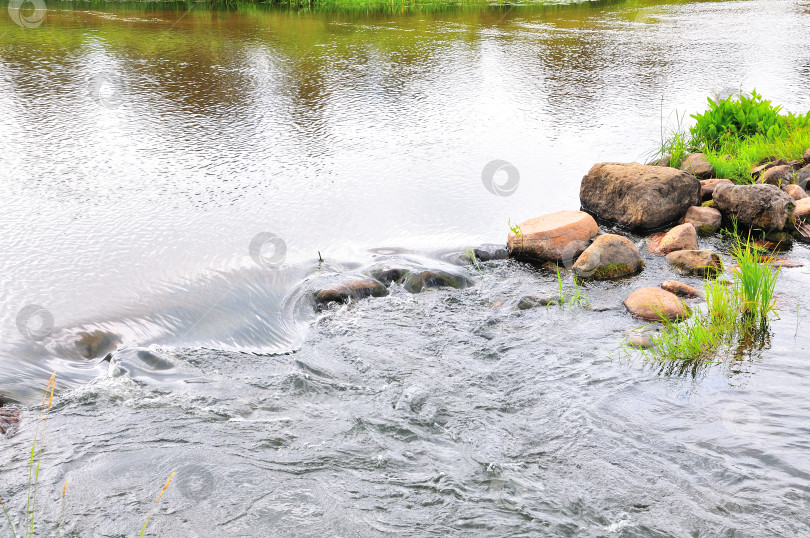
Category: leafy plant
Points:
column 742, row 117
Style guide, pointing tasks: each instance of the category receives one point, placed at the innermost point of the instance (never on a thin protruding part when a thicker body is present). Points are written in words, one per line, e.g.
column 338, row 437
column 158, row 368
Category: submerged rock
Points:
column 418, row 281
column 357, row 288
column 554, row 237
column 533, row 301
column 652, row 303
column 697, row 165
column 487, row 253
column 695, row 262
column 640, row 341
column 386, row 274
column 759, row 206
column 778, row 175
column 706, row 220
column 610, row 256
column 92, row 345
column 795, row 191
column 680, row 289
column 707, row 187
column 681, row 237
column 638, row 196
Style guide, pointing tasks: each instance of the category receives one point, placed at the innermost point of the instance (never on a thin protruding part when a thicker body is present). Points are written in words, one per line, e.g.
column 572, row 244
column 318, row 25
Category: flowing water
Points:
column 146, row 148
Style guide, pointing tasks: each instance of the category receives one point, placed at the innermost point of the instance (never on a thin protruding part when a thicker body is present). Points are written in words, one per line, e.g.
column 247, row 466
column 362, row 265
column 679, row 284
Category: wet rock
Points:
column 681, row 237
column 706, row 220
column 786, row 263
column 652, row 303
column 759, row 206
column 695, row 262
column 533, row 301
column 697, row 165
column 610, row 256
column 654, row 241
column 680, row 289
column 707, row 187
column 487, row 253
column 795, row 192
column 766, row 164
column 638, row 196
column 640, row 341
column 554, row 237
column 9, row 416
column 419, row 281
column 349, row 290
column 387, row 274
column 802, row 210
column 803, row 177
column 778, row 175
column 775, row 241
column 96, row 344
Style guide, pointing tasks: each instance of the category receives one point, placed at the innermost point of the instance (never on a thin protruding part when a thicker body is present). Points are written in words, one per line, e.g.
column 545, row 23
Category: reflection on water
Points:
column 146, row 149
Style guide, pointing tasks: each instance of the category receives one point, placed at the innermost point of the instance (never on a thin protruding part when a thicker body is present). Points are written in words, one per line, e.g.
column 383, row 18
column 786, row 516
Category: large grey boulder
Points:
column 762, row 206
column 638, row 196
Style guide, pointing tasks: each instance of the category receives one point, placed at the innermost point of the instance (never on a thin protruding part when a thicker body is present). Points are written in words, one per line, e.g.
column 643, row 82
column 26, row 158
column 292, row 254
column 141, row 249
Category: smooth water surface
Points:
column 144, row 149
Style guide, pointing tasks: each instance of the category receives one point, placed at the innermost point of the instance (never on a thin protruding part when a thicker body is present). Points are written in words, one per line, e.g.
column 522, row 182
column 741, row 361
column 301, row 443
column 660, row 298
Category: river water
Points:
column 146, row 147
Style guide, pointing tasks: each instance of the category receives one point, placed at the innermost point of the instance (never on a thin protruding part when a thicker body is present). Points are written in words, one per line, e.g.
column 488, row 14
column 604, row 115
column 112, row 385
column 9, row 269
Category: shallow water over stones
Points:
column 360, row 140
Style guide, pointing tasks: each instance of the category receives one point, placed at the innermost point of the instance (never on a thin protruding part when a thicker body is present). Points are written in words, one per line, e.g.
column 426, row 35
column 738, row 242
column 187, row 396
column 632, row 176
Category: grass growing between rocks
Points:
column 736, row 317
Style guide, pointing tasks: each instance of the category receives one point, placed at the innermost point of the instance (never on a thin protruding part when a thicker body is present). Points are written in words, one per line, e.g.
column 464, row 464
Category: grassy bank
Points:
column 738, row 133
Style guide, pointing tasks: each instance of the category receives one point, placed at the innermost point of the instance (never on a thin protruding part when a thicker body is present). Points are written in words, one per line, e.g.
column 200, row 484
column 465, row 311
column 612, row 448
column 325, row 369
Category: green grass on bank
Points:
column 737, row 133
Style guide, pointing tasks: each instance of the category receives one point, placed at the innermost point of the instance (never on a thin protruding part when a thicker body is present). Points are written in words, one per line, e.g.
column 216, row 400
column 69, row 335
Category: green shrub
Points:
column 742, row 117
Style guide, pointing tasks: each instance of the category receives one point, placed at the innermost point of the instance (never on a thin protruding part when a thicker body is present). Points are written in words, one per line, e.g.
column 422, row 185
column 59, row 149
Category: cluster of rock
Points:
column 375, row 280
column 645, row 198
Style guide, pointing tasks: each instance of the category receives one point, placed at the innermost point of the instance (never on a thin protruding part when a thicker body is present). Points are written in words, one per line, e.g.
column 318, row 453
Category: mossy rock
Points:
column 708, row 203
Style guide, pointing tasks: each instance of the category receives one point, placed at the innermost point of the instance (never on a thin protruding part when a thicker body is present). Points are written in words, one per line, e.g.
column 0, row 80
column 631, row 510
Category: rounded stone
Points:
column 556, row 237
column 651, row 304
column 681, row 237
column 795, row 191
column 706, row 220
column 610, row 256
column 680, row 289
column 695, row 262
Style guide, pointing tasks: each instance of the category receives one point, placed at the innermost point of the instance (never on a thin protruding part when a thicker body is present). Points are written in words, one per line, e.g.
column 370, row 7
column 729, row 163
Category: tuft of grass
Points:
column 736, row 315
column 572, row 297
